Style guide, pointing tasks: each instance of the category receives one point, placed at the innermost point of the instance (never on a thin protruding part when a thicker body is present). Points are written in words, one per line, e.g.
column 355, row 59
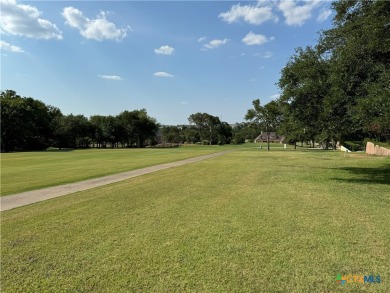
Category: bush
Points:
column 238, row 140
column 354, row 146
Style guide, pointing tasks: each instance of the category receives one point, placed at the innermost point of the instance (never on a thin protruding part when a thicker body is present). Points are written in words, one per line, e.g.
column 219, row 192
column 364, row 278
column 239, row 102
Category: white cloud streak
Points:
column 24, row 20
column 96, row 29
column 11, row 48
column 324, row 15
column 255, row 39
column 162, row 74
column 110, row 77
column 215, row 44
column 296, row 15
column 164, row 50
column 253, row 14
column 295, row 12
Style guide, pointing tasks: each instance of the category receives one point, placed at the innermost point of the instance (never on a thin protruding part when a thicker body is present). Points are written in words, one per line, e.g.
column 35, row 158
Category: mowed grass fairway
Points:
column 249, row 221
column 34, row 170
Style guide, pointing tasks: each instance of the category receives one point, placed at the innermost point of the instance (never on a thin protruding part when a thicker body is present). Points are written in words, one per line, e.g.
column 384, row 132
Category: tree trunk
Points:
column 268, row 133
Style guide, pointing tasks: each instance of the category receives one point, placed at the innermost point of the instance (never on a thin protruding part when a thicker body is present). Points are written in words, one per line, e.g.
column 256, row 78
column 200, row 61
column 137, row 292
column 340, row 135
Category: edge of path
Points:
column 29, row 197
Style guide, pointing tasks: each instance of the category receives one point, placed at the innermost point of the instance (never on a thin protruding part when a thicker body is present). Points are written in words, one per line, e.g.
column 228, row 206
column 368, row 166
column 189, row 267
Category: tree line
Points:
column 339, row 89
column 334, row 91
column 28, row 124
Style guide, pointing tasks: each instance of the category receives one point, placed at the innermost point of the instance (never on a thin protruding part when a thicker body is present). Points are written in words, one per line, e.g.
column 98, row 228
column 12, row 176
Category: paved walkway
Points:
column 25, row 198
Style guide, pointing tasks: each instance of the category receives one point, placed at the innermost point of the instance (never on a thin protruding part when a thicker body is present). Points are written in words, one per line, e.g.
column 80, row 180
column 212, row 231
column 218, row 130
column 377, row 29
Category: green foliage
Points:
column 138, row 127
column 268, row 116
column 354, row 146
column 211, row 129
column 173, row 134
column 29, row 124
column 25, row 123
column 338, row 90
column 245, row 131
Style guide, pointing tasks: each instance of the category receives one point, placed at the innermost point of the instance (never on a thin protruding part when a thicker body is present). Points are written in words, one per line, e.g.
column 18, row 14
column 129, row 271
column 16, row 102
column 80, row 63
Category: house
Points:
column 273, row 137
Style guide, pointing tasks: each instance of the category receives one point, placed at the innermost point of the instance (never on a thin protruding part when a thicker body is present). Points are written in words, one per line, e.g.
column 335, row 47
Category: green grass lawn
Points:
column 249, row 221
column 34, row 170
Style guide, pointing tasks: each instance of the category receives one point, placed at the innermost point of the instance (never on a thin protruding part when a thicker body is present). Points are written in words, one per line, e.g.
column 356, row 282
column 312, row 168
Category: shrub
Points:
column 354, row 146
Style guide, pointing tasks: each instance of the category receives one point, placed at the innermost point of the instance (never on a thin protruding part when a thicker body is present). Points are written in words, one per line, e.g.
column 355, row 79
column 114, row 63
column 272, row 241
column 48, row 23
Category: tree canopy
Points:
column 29, row 124
column 339, row 88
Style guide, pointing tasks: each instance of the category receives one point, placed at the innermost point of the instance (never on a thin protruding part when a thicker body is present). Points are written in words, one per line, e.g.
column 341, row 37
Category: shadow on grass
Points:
column 380, row 175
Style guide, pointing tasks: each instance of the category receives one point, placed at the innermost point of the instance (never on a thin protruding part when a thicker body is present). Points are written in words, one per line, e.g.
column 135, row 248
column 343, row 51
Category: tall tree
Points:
column 76, row 131
column 172, row 134
column 358, row 49
column 25, row 123
column 206, row 125
column 139, row 127
column 304, row 85
column 268, row 116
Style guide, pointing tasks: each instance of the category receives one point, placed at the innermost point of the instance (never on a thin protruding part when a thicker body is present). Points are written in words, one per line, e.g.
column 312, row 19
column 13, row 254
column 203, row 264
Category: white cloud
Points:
column 162, row 74
column 110, row 77
column 255, row 39
column 274, row 97
column 184, row 103
column 96, row 29
column 11, row 48
column 24, row 20
column 164, row 50
column 324, row 15
column 201, row 39
column 215, row 44
column 297, row 14
column 267, row 54
column 253, row 14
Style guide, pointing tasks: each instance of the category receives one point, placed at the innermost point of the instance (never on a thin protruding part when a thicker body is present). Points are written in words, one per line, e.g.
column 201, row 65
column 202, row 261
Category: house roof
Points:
column 272, row 136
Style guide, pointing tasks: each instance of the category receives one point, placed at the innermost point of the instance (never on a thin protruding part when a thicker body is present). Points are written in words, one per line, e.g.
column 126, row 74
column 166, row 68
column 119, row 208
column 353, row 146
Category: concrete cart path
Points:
column 25, row 198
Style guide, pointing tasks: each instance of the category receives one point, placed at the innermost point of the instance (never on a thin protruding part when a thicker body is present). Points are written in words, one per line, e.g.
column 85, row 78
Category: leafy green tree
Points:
column 172, row 134
column 304, row 85
column 138, row 127
column 358, row 50
column 268, row 116
column 75, row 131
column 191, row 134
column 208, row 127
column 25, row 123
column 292, row 130
column 97, row 125
column 225, row 133
column 245, row 131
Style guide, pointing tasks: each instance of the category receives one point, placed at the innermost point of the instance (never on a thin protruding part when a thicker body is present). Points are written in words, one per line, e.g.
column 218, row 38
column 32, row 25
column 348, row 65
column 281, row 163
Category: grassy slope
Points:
column 33, row 170
column 254, row 221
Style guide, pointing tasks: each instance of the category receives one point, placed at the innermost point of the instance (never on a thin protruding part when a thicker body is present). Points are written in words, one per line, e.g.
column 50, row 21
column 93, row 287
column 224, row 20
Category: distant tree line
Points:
column 339, row 89
column 203, row 129
column 29, row 124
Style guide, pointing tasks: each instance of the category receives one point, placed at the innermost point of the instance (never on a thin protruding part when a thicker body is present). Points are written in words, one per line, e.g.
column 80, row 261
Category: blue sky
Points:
column 172, row 58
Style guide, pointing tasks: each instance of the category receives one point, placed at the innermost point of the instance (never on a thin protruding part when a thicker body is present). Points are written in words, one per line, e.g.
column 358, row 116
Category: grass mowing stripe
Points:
column 35, row 170
column 248, row 221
